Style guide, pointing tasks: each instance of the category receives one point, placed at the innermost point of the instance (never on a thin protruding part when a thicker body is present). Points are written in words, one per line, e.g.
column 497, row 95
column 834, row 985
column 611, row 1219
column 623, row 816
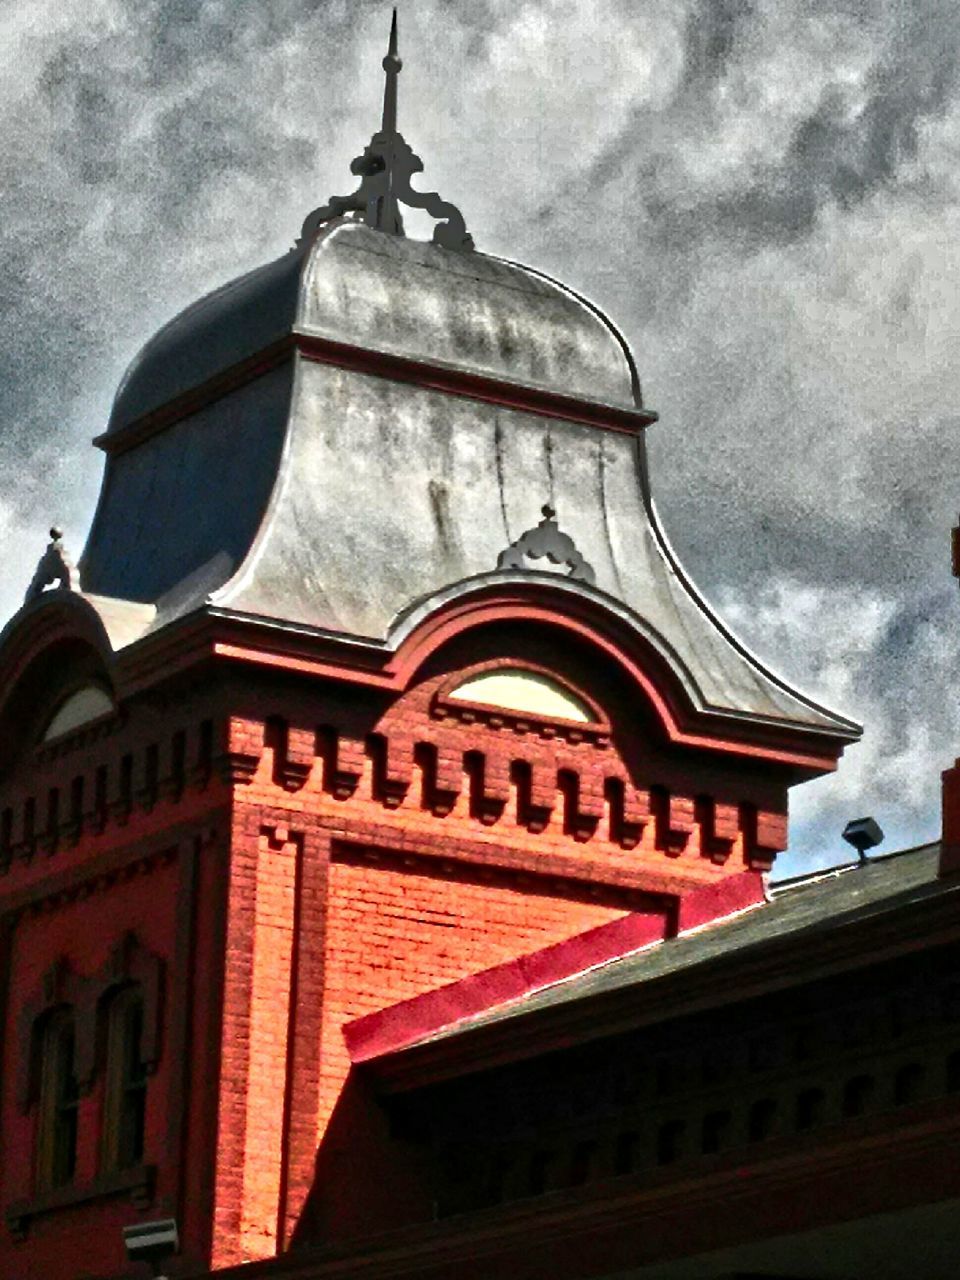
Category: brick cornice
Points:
column 98, row 872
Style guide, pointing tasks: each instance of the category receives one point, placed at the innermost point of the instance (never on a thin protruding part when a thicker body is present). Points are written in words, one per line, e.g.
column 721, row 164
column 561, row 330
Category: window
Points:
column 519, row 689
column 88, row 703
column 125, row 1092
column 59, row 1094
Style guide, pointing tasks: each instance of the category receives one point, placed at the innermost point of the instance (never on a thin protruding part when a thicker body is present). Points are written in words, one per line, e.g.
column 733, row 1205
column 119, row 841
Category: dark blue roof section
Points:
column 185, row 506
column 223, row 329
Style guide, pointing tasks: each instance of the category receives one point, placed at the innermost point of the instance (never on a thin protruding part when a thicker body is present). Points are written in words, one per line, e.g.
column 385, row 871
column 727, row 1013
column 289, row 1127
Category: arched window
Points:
column 85, row 704
column 125, row 1090
column 522, row 690
column 59, row 1096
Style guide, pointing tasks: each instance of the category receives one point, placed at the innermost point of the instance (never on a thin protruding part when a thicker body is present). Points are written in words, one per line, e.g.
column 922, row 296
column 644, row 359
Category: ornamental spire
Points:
column 392, row 66
column 385, row 169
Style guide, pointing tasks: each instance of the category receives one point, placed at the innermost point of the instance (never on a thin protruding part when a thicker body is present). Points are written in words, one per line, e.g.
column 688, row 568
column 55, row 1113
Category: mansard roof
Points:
column 367, row 427
column 392, row 295
column 356, row 435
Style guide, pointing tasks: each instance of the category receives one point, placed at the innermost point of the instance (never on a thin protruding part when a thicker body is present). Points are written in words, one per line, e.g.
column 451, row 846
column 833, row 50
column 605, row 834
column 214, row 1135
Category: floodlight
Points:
column 152, row 1242
column 863, row 834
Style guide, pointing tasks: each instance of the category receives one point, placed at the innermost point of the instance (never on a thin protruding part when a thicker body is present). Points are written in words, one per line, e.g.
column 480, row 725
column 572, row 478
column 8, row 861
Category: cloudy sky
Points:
column 762, row 193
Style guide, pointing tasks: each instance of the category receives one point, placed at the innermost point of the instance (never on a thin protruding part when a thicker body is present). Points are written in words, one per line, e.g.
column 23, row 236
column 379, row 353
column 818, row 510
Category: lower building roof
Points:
column 781, row 940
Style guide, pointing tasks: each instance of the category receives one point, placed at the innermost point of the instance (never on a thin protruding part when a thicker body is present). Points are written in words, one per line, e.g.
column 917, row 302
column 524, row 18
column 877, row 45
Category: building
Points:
column 385, row 821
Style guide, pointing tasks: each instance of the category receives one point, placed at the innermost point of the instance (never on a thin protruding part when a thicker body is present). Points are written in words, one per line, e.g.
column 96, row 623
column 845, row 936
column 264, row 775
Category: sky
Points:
column 763, row 195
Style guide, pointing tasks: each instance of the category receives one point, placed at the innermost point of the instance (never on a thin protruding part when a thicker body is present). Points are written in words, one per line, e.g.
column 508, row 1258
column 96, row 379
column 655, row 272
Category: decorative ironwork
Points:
column 385, row 169
column 546, row 540
column 55, row 569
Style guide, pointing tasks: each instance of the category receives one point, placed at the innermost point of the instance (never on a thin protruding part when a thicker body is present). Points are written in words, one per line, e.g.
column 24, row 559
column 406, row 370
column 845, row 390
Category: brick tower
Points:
column 377, row 672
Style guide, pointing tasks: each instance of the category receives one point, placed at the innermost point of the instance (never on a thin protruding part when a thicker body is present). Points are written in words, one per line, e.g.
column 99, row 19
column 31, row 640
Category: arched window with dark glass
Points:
column 125, row 1090
column 59, row 1101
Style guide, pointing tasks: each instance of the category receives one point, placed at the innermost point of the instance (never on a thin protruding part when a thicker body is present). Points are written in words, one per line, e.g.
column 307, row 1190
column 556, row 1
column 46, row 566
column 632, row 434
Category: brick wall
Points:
column 358, row 848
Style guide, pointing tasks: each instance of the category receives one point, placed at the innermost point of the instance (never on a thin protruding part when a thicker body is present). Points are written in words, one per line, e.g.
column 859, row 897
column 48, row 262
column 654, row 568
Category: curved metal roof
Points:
column 404, row 297
column 342, row 498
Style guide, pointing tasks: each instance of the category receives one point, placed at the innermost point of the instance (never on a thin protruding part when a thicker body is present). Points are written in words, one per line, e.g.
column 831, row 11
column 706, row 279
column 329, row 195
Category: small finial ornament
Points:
column 546, row 541
column 385, row 169
column 55, row 569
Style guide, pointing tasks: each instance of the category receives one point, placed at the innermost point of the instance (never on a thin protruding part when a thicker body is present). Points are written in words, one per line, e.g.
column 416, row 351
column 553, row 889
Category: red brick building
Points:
column 384, row 819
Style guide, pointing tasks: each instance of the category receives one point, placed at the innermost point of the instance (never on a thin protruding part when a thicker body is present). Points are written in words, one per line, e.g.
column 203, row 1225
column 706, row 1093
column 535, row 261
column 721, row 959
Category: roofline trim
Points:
column 852, row 728
column 428, row 375
column 401, row 1026
column 425, row 612
column 891, row 929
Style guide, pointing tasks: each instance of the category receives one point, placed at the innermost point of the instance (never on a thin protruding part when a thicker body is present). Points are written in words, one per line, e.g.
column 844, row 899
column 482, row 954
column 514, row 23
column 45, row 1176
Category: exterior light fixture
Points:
column 863, row 834
column 152, row 1242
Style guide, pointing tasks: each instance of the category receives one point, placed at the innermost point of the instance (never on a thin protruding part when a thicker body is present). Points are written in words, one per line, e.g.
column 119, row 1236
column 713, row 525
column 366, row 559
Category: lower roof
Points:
column 806, row 913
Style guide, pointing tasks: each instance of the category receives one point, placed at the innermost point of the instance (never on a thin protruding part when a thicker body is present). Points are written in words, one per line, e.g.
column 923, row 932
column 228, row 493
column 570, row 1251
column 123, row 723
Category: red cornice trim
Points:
column 502, row 604
column 418, row 373
column 202, row 637
column 816, row 764
column 238, row 375
column 474, row 386
column 401, row 1025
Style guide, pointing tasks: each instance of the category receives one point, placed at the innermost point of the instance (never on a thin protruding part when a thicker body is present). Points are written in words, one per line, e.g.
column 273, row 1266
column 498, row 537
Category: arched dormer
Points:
column 57, row 658
column 785, row 728
column 86, row 703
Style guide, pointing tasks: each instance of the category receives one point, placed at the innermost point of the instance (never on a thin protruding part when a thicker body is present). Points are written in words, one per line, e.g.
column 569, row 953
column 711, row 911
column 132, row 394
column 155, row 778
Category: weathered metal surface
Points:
column 370, row 500
column 391, row 493
column 396, row 295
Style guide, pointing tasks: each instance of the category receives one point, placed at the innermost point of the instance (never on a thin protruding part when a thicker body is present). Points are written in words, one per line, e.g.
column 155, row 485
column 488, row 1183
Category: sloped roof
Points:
column 351, row 499
column 400, row 296
column 808, row 909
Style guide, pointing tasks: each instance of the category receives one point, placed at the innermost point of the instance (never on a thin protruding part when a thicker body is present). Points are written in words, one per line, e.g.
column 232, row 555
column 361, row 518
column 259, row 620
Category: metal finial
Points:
column 392, row 66
column 55, row 568
column 385, row 169
column 547, row 542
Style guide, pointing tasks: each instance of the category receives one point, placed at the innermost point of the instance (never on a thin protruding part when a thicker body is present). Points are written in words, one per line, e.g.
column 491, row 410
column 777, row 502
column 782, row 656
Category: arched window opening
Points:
column 125, row 1095
column 858, row 1094
column 86, row 704
column 59, row 1102
column 524, row 691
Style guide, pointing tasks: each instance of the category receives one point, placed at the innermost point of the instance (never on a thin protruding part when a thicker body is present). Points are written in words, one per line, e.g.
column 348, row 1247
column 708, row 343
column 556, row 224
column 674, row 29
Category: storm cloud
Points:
column 763, row 194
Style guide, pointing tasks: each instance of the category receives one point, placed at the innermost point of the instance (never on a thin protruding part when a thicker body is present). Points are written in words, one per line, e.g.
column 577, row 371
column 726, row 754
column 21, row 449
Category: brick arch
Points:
column 567, row 619
column 47, row 653
column 655, row 672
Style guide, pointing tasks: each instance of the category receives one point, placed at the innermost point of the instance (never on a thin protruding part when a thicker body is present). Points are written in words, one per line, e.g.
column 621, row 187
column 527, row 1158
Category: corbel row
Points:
column 588, row 791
